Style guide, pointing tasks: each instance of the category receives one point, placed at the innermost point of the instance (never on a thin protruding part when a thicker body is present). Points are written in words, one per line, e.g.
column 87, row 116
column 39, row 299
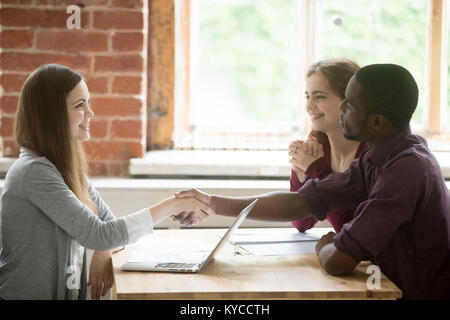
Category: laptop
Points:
column 191, row 262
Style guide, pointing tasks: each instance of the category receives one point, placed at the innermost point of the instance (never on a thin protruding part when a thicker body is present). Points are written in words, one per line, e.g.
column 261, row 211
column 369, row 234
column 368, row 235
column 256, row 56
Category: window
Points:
column 243, row 61
column 245, row 75
column 386, row 31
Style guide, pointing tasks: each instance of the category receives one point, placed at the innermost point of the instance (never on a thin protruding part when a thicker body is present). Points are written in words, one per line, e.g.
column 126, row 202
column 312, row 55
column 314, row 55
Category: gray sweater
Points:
column 38, row 218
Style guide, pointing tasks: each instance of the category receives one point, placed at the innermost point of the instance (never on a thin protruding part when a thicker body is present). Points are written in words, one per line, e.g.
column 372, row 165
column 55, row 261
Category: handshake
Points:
column 188, row 207
column 192, row 206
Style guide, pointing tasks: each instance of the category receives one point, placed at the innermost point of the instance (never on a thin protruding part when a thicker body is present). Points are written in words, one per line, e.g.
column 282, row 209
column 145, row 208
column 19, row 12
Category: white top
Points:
column 136, row 223
column 74, row 270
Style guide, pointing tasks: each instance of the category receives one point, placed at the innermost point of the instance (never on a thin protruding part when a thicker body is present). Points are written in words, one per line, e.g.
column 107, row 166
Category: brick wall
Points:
column 110, row 50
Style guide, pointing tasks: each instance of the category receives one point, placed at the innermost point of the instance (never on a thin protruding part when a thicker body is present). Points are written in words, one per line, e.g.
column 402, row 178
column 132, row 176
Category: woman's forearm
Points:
column 162, row 210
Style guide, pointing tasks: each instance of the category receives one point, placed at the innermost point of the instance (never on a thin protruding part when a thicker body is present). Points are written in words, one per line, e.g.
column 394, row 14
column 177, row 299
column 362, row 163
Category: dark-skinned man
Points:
column 402, row 222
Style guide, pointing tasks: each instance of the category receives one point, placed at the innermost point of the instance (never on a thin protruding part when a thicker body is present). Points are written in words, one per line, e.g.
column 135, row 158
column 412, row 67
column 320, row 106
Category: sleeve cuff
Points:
column 347, row 244
column 138, row 224
column 314, row 204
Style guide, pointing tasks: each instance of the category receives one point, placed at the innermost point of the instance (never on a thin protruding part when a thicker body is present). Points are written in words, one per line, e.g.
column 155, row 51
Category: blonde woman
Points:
column 327, row 150
column 50, row 210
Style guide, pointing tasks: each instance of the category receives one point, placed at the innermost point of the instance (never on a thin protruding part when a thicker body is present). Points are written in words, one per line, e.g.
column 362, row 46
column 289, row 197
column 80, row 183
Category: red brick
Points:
column 10, row 147
column 97, row 168
column 8, row 104
column 128, row 41
column 102, row 150
column 16, row 39
column 16, row 1
column 126, row 129
column 72, row 40
column 12, row 82
column 118, row 63
column 85, row 3
column 45, row 18
column 98, row 128
column 127, row 4
column 7, row 126
column 116, row 106
column 20, row 61
column 113, row 150
column 127, row 85
column 118, row 20
column 109, row 168
column 119, row 169
column 97, row 84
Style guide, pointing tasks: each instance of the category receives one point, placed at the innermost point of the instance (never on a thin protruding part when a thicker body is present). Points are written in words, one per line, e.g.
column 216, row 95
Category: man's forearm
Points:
column 273, row 206
column 334, row 261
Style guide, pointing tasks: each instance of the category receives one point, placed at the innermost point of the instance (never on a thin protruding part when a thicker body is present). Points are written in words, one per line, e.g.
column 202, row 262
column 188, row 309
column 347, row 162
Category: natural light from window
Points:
column 382, row 31
column 245, row 74
column 245, row 62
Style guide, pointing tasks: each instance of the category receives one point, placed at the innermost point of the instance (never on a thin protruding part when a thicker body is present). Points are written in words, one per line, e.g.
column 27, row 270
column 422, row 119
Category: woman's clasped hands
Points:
column 303, row 153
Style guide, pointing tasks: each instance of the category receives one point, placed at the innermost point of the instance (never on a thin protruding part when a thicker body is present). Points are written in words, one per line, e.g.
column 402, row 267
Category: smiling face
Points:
column 79, row 112
column 322, row 104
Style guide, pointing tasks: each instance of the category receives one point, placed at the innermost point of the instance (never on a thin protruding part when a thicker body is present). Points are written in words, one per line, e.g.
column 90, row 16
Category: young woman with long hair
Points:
column 326, row 150
column 50, row 210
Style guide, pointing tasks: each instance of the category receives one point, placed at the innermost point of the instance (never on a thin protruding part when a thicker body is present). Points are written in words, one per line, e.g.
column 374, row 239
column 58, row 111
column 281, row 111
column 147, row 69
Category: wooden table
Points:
column 231, row 276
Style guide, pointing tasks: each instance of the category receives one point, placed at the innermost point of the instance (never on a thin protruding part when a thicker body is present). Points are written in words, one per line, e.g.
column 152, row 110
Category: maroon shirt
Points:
column 321, row 168
column 402, row 222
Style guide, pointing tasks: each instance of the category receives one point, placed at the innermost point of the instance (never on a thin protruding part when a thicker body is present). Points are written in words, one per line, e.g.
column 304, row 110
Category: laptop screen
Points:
column 235, row 225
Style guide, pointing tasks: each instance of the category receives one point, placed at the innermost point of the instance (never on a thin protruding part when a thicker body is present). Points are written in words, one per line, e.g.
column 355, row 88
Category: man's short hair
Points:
column 390, row 90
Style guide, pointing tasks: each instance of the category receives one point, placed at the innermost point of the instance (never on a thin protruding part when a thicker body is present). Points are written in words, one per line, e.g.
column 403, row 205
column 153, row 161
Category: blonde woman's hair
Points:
column 42, row 125
column 338, row 73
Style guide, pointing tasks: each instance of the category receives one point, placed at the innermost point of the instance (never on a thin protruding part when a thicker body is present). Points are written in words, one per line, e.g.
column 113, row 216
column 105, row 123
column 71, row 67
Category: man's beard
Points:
column 352, row 137
column 355, row 137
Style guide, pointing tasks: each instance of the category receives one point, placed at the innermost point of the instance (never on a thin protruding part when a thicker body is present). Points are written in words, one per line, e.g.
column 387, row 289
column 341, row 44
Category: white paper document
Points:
column 283, row 241
column 281, row 248
column 247, row 236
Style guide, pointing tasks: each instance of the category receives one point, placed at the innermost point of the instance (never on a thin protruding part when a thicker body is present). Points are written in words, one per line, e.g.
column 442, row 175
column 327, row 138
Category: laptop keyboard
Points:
column 176, row 265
